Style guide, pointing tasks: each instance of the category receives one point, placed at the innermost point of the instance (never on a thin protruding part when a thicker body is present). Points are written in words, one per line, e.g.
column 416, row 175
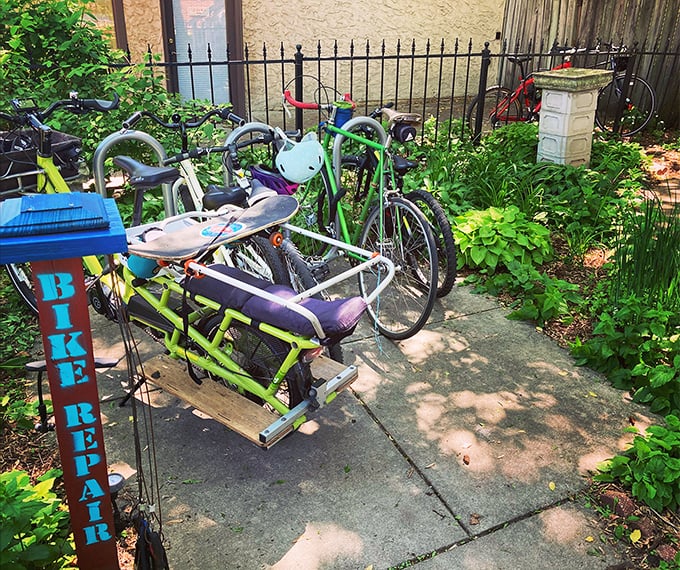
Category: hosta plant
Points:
column 497, row 237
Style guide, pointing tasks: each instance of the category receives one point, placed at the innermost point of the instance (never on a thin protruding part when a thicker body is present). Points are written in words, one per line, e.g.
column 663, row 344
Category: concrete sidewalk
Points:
column 461, row 447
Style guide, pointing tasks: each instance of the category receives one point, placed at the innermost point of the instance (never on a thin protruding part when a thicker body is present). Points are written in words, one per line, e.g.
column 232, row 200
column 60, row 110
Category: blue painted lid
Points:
column 39, row 214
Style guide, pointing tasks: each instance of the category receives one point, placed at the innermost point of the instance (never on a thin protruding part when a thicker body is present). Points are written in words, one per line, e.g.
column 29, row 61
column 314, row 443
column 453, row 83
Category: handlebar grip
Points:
column 101, row 105
column 132, row 120
column 299, row 104
column 227, row 115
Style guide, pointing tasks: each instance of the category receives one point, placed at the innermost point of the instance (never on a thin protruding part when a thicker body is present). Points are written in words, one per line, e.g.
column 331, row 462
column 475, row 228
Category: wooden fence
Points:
column 648, row 25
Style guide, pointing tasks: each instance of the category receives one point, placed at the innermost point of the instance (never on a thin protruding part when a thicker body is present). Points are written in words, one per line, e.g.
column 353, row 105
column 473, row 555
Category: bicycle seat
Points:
column 519, row 60
column 338, row 318
column 393, row 116
column 403, row 165
column 217, row 196
column 143, row 176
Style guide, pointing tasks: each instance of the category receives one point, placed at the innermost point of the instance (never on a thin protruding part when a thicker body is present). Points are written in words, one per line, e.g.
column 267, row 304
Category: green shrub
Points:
column 35, row 524
column 647, row 257
column 638, row 348
column 492, row 237
column 542, row 297
column 650, row 467
column 54, row 47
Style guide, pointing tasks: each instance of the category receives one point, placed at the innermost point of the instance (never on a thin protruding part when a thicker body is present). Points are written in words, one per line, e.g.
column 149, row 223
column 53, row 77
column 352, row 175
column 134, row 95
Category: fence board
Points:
column 652, row 25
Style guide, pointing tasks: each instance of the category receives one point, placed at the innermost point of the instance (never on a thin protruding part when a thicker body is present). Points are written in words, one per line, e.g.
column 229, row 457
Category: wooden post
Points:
column 65, row 327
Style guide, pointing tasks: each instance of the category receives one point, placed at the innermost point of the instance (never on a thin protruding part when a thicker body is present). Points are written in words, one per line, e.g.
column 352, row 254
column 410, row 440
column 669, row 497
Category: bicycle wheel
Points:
column 405, row 238
column 634, row 113
column 20, row 276
column 315, row 215
column 499, row 109
column 443, row 235
column 302, row 278
column 258, row 257
column 261, row 356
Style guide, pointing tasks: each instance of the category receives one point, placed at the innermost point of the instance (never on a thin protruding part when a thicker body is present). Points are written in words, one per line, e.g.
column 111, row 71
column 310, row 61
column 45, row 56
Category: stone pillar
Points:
column 567, row 116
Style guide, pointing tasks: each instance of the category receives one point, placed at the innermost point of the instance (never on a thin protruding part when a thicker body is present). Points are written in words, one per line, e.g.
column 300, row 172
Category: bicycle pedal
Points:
column 320, row 272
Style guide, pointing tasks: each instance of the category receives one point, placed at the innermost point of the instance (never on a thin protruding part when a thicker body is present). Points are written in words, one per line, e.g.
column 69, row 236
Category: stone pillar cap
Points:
column 572, row 79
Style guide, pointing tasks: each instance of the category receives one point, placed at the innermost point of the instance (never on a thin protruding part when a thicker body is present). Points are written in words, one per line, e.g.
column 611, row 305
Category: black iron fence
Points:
column 437, row 80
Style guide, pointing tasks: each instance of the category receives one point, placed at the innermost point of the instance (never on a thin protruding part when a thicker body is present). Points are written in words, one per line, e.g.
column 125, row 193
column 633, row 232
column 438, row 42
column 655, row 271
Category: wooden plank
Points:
column 326, row 368
column 226, row 406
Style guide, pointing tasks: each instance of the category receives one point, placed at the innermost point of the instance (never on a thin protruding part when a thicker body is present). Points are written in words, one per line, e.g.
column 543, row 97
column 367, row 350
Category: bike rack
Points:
column 101, row 153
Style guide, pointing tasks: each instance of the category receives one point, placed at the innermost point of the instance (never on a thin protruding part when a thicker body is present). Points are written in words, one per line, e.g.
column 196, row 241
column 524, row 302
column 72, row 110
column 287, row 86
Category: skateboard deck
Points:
column 191, row 240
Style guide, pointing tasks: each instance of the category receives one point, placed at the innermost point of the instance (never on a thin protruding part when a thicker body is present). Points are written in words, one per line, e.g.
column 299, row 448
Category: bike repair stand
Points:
column 53, row 232
column 567, row 118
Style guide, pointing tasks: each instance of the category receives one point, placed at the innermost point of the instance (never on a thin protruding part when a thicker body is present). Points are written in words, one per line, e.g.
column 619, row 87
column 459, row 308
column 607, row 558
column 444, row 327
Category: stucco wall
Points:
column 306, row 21
column 143, row 26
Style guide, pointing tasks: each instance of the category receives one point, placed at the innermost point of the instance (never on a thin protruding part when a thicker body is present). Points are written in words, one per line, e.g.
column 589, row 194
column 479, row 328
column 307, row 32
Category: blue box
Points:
column 41, row 227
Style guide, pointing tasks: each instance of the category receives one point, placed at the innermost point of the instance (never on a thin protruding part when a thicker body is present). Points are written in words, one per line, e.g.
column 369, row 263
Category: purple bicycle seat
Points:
column 338, row 318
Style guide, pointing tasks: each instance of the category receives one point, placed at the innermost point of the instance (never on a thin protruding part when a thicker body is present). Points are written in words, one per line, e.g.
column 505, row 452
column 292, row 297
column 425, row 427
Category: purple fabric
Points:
column 338, row 318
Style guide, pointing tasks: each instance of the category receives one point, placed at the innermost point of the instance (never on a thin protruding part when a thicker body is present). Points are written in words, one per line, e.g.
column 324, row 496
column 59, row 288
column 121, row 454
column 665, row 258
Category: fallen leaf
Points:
column 589, row 539
column 551, row 485
column 635, row 535
column 475, row 518
column 466, row 459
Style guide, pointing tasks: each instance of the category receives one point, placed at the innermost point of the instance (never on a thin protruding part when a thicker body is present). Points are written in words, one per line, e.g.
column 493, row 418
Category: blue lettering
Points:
column 95, row 513
column 79, row 414
column 91, row 490
column 97, row 533
column 62, row 316
column 56, row 286
column 66, row 345
column 84, row 462
column 72, row 372
column 84, row 439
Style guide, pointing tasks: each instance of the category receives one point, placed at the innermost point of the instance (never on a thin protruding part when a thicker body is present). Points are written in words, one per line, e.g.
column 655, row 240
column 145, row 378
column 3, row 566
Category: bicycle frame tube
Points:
column 218, row 363
column 333, row 176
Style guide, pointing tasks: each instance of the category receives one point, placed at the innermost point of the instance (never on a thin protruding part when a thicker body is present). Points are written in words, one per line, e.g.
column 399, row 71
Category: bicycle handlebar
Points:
column 31, row 115
column 375, row 113
column 346, row 98
column 197, row 152
column 178, row 124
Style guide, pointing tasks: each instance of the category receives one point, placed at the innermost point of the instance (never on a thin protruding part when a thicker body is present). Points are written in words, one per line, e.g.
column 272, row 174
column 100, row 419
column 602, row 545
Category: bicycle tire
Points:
column 302, row 278
column 299, row 273
column 20, row 276
column 403, row 308
column 258, row 257
column 261, row 356
column 493, row 98
column 637, row 110
column 314, row 215
column 443, row 234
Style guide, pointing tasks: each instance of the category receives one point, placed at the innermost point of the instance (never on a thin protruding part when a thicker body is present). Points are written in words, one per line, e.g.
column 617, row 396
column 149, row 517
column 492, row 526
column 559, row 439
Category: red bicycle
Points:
column 624, row 106
column 502, row 105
